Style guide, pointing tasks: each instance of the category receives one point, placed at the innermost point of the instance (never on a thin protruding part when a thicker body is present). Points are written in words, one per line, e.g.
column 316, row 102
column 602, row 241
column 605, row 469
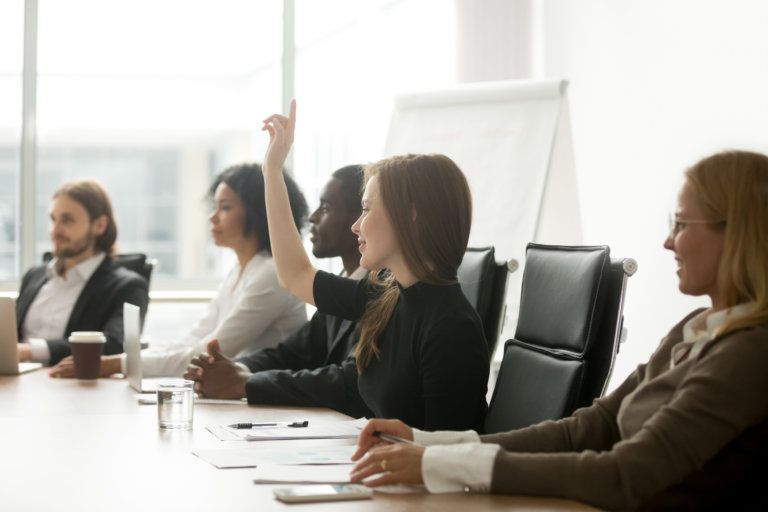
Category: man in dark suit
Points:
column 81, row 288
column 313, row 367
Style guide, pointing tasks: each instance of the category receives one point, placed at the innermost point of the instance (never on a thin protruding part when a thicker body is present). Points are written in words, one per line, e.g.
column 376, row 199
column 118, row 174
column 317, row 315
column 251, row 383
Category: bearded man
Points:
column 81, row 288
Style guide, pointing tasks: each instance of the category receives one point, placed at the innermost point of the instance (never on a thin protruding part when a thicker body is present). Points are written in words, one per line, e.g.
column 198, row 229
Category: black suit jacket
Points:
column 312, row 368
column 98, row 308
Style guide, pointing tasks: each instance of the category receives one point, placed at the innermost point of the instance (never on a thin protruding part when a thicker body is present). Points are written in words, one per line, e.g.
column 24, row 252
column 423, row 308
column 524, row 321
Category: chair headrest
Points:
column 477, row 265
column 563, row 296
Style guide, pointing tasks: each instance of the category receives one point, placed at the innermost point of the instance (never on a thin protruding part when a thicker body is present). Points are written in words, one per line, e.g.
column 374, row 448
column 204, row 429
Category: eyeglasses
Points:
column 677, row 224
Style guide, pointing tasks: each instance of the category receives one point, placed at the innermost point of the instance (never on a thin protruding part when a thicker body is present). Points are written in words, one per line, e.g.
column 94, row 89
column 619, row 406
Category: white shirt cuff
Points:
column 40, row 353
column 445, row 437
column 243, row 367
column 459, row 468
column 166, row 361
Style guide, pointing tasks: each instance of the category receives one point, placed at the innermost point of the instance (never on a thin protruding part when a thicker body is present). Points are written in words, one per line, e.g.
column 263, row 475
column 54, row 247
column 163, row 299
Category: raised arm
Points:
column 294, row 270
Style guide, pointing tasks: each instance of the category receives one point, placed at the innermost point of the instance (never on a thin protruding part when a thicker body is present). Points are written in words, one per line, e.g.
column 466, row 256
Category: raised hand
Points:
column 281, row 130
column 294, row 270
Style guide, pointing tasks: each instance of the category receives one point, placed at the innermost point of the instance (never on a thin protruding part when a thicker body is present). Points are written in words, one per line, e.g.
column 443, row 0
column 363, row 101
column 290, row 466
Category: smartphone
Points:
column 310, row 493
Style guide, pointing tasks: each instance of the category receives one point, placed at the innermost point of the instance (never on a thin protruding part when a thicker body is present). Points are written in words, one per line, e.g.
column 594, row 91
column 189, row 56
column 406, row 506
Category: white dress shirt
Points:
column 49, row 313
column 250, row 311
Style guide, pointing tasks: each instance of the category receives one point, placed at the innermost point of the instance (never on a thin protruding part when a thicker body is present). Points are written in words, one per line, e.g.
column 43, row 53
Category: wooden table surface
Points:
column 88, row 446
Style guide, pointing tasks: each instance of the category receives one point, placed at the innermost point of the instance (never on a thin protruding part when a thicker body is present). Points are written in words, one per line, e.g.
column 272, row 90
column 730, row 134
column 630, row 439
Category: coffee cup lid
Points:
column 87, row 337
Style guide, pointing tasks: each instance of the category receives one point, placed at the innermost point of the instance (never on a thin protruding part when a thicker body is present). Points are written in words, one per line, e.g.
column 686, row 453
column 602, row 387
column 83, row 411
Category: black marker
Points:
column 295, row 424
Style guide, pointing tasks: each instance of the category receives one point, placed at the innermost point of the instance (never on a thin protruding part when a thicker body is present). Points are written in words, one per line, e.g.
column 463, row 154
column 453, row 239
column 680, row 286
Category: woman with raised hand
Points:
column 250, row 310
column 686, row 431
column 422, row 356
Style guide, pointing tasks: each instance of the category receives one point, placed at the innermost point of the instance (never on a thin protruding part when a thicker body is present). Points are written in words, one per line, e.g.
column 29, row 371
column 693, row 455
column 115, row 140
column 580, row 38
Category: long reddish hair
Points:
column 429, row 204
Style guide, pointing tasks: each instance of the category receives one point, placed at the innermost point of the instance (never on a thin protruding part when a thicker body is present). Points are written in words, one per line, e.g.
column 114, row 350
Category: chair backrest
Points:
column 137, row 262
column 609, row 331
column 567, row 335
column 484, row 283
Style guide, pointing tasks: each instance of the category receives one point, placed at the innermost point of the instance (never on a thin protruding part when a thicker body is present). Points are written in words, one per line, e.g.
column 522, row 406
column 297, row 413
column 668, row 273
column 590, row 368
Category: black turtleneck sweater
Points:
column 432, row 370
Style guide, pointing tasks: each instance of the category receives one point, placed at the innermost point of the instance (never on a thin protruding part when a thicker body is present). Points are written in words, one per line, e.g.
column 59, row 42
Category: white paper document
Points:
column 337, row 474
column 312, row 474
column 314, row 430
column 250, row 457
column 306, row 474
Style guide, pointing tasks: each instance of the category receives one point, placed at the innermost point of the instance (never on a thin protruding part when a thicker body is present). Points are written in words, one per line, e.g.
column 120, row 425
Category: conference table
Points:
column 89, row 446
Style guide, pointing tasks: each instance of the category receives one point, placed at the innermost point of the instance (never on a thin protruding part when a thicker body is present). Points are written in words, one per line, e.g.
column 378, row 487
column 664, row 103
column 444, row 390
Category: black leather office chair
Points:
column 137, row 262
column 484, row 283
column 568, row 333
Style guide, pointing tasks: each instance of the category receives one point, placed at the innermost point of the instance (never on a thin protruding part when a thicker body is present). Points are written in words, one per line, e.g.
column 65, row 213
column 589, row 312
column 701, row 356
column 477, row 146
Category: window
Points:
column 352, row 58
column 11, row 58
column 153, row 99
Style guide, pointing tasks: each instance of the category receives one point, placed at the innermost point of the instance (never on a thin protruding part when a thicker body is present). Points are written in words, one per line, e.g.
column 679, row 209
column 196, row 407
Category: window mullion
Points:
column 27, row 181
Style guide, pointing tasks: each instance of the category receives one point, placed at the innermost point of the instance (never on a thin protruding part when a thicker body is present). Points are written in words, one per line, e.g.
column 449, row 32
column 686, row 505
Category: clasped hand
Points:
column 217, row 376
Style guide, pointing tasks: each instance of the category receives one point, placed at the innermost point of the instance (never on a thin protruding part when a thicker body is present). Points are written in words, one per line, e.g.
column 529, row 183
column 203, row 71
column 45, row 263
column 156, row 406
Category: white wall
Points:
column 655, row 85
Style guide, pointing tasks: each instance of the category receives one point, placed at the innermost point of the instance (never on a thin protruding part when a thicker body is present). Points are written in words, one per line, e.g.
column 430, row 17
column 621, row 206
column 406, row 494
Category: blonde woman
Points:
column 687, row 430
column 421, row 356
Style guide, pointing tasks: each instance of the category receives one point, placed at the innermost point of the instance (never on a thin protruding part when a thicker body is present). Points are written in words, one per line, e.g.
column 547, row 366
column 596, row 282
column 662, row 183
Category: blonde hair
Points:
column 733, row 185
column 428, row 202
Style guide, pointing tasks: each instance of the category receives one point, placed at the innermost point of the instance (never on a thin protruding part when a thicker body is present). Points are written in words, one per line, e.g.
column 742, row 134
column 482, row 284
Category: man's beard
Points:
column 76, row 248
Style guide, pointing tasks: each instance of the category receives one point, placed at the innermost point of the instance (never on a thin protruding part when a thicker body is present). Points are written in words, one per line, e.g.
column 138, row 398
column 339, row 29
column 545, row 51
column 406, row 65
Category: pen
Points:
column 295, row 424
column 394, row 439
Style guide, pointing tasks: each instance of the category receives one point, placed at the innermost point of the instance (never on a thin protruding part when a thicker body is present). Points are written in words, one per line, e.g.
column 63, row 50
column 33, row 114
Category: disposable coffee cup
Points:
column 87, row 347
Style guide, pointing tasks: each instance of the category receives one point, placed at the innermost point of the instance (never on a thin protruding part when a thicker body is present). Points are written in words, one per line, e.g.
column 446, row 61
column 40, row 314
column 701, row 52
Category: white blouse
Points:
column 701, row 329
column 250, row 311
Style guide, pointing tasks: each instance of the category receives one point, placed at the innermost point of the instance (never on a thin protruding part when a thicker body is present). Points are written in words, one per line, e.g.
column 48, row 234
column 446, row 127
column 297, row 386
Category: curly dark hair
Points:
column 247, row 181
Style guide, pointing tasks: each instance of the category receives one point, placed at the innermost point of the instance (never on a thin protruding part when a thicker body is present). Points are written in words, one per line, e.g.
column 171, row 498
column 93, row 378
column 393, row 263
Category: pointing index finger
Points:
column 292, row 112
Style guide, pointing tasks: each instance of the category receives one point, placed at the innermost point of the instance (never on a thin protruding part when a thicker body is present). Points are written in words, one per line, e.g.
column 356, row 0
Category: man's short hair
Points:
column 353, row 183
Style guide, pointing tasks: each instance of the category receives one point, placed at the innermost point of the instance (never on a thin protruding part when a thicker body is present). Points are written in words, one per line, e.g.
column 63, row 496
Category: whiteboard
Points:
column 512, row 140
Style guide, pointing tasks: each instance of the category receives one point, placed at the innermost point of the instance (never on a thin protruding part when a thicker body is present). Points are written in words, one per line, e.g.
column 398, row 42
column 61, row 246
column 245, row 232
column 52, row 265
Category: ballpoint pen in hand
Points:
column 394, row 439
column 295, row 424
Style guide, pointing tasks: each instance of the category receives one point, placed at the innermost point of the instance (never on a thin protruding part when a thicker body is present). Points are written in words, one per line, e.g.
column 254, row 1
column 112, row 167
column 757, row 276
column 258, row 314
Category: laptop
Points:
column 132, row 347
column 9, row 341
